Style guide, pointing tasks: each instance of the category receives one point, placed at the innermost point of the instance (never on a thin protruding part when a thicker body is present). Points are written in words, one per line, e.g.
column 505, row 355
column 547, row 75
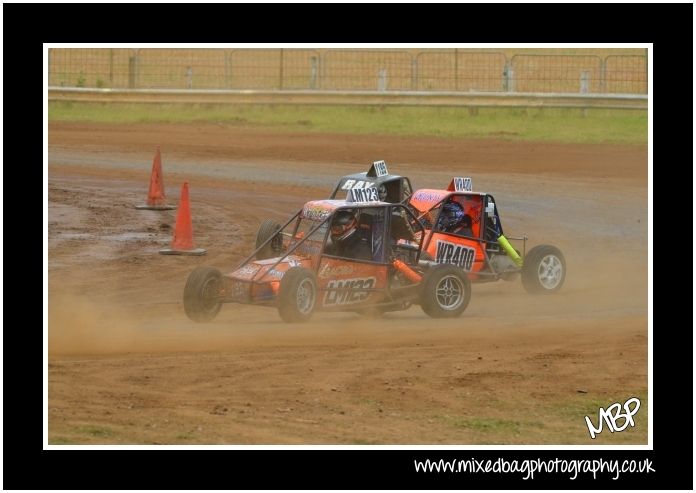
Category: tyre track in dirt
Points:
column 508, row 371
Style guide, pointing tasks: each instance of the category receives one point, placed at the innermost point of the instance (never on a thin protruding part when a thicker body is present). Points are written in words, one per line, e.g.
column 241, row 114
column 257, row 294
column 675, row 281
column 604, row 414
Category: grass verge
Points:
column 561, row 421
column 533, row 124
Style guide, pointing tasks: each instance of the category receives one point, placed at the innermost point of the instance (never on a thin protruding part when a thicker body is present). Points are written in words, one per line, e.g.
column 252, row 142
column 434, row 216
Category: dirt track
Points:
column 127, row 366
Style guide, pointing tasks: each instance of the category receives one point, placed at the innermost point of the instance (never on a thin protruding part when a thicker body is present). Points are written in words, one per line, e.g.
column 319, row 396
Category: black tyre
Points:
column 297, row 295
column 544, row 270
column 446, row 292
column 202, row 294
column 268, row 229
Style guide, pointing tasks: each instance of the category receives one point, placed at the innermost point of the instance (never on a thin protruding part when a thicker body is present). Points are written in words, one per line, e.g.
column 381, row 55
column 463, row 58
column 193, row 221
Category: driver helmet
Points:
column 466, row 221
column 344, row 225
column 451, row 216
column 382, row 192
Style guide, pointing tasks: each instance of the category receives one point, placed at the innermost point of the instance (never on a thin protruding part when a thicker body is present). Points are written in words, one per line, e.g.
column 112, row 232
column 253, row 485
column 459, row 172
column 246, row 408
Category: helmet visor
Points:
column 342, row 227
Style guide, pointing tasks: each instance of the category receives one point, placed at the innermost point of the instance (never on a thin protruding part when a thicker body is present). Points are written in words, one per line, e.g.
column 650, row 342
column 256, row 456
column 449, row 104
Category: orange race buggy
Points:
column 481, row 249
column 296, row 270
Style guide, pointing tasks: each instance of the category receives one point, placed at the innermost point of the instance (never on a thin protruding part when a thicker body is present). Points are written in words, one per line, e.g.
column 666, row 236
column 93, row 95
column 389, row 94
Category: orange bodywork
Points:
column 259, row 281
column 340, row 282
column 451, row 249
column 466, row 252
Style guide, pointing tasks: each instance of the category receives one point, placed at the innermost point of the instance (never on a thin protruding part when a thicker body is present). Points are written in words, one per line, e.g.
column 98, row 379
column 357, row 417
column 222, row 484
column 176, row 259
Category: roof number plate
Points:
column 462, row 184
column 380, row 168
column 363, row 195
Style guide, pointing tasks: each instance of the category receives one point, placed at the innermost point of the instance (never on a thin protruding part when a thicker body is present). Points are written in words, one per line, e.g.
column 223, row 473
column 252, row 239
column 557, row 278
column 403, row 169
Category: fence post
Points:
column 280, row 71
column 227, row 69
column 584, row 81
column 189, row 77
column 313, row 72
column 131, row 72
column 508, row 77
column 320, row 70
column 646, row 71
column 382, row 79
column 414, row 72
column 137, row 67
column 111, row 67
column 456, row 70
column 603, row 75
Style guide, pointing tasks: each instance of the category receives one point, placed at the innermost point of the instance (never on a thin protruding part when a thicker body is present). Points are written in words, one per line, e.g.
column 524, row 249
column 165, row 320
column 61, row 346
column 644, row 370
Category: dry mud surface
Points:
column 127, row 367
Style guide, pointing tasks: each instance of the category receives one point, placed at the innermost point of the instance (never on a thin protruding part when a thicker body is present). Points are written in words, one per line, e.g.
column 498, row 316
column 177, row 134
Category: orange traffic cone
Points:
column 182, row 244
column 155, row 197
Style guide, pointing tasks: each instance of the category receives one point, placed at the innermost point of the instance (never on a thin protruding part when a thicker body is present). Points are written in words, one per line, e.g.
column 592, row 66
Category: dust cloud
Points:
column 79, row 325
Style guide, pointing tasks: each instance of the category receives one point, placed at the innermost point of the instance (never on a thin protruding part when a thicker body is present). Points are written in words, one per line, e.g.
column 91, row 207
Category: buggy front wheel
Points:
column 297, row 295
column 202, row 294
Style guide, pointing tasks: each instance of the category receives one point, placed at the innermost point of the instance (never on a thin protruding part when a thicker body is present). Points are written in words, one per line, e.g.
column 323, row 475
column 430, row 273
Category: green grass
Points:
column 580, row 407
column 490, row 425
column 60, row 441
column 559, row 422
column 551, row 125
column 95, row 431
column 573, row 412
column 361, row 441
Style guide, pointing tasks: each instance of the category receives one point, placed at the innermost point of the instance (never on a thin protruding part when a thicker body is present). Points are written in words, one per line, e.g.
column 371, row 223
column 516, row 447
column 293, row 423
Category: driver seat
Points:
column 400, row 229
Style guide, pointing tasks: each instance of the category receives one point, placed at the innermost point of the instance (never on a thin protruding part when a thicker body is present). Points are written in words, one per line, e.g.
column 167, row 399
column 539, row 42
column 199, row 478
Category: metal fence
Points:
column 347, row 69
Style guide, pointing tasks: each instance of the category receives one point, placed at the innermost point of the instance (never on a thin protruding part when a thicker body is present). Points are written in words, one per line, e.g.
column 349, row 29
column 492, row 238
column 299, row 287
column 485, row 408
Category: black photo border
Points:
column 191, row 469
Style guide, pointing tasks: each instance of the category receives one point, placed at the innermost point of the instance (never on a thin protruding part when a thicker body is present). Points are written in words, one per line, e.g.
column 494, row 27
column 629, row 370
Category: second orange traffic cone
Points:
column 182, row 244
column 155, row 196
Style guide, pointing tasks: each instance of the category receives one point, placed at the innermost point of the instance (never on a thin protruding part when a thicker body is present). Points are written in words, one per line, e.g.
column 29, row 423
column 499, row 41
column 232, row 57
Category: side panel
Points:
column 425, row 198
column 340, row 282
column 452, row 249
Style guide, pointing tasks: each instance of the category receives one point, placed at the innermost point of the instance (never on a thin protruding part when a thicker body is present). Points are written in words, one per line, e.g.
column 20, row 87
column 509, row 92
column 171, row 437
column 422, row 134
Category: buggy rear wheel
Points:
column 202, row 294
column 269, row 228
column 446, row 292
column 544, row 270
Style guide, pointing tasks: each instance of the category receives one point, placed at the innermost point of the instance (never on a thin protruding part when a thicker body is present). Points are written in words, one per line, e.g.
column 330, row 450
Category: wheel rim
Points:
column 550, row 271
column 209, row 294
column 305, row 296
column 449, row 292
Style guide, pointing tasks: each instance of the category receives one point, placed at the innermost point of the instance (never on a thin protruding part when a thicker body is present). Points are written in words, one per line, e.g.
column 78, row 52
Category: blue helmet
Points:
column 451, row 216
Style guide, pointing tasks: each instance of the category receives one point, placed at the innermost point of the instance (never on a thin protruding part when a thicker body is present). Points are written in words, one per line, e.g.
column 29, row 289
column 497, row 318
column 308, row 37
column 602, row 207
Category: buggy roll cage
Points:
column 317, row 227
column 493, row 273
